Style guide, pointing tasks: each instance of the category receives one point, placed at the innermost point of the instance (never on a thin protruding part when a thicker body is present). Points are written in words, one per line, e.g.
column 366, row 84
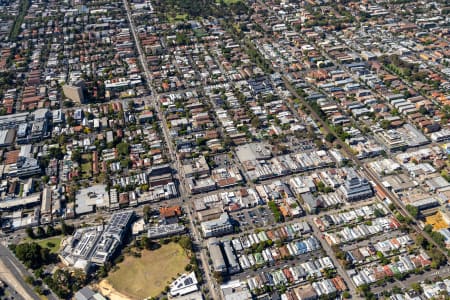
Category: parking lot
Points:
column 297, row 144
column 253, row 218
column 222, row 160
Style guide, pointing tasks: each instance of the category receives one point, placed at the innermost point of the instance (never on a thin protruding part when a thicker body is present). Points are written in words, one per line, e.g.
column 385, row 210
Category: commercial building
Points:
column 96, row 244
column 21, row 202
column 391, row 139
column 440, row 136
column 162, row 231
column 217, row 227
column 355, row 188
column 198, row 167
column 426, row 203
column 217, row 258
column 256, row 151
column 235, row 290
column 7, row 137
column 233, row 265
column 25, row 167
column 91, row 198
column 196, row 186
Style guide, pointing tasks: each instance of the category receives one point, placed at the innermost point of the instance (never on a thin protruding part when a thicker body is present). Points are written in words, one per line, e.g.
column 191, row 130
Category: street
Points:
column 183, row 193
column 13, row 273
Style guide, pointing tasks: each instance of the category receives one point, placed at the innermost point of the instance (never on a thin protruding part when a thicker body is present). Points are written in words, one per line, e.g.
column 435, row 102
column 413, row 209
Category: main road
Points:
column 183, row 191
column 12, row 272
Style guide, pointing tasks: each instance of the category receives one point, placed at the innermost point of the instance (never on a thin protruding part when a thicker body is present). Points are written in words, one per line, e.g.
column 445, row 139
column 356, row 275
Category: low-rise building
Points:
column 217, row 258
column 356, row 188
column 217, row 227
column 184, row 285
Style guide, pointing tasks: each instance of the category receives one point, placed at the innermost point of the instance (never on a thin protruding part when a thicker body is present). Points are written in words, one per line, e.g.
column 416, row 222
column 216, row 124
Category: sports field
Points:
column 148, row 275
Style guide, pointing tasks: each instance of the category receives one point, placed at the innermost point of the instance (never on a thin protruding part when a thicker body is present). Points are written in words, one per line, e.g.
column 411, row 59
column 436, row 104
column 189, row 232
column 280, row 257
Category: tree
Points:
column 420, row 241
column 29, row 280
column 66, row 229
column 185, row 242
column 385, row 124
column 414, row 211
column 76, row 156
column 144, row 188
column 364, row 289
column 416, row 287
column 102, row 272
column 255, row 122
column 40, row 232
column 30, row 232
column 428, row 228
column 330, row 138
column 320, row 186
column 123, row 148
column 38, row 289
column 218, row 276
column 64, row 282
column 276, row 211
column 56, row 152
column 147, row 213
column 438, row 238
column 378, row 213
column 32, row 255
column 50, row 230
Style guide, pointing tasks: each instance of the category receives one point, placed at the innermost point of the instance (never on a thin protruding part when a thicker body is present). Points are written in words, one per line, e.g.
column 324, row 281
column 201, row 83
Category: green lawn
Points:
column 229, row 1
column 179, row 17
column 86, row 170
column 52, row 243
column 148, row 275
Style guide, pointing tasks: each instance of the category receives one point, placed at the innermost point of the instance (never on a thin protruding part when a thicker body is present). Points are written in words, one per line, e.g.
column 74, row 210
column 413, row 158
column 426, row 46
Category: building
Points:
column 198, row 167
column 255, row 151
column 196, row 186
column 170, row 215
column 157, row 232
column 391, row 139
column 310, row 203
column 87, row 294
column 183, row 285
column 235, row 290
column 217, row 227
column 46, row 205
column 7, row 137
column 160, row 175
column 21, row 202
column 96, row 244
column 91, row 198
column 355, row 188
column 305, row 292
column 25, row 167
column 426, row 203
column 216, row 255
column 74, row 92
column 440, row 136
column 233, row 265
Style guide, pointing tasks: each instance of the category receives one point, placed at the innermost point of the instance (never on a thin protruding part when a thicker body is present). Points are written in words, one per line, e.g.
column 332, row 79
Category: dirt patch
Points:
column 107, row 290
